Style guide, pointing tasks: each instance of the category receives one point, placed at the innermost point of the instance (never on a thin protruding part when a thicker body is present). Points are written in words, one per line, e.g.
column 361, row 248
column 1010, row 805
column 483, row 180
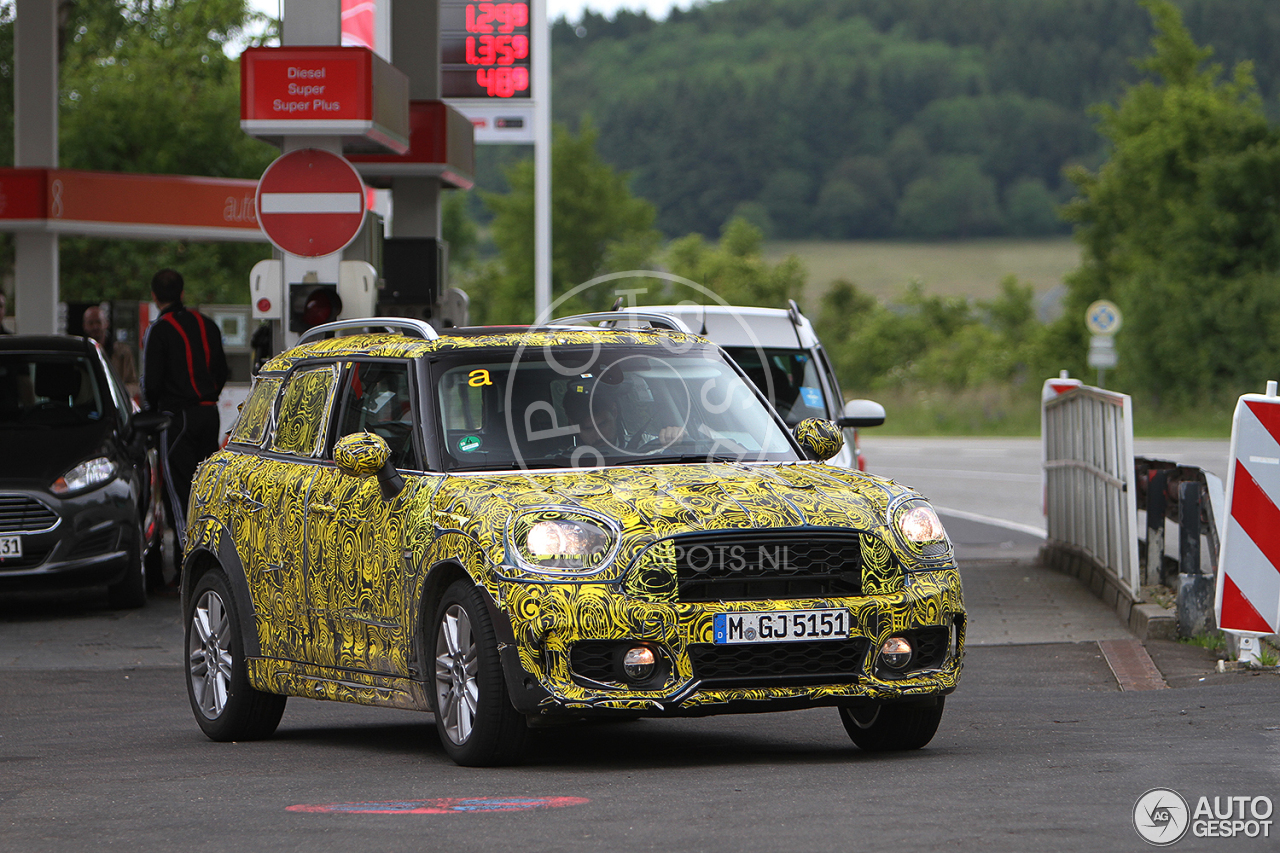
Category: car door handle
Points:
column 247, row 501
column 327, row 509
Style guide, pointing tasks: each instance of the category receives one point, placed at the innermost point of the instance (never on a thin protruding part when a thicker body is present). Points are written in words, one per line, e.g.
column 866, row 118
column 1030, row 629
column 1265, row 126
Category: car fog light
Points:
column 895, row 653
column 639, row 662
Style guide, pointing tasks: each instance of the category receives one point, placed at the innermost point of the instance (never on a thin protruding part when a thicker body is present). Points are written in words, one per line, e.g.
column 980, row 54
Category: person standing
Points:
column 183, row 372
column 95, row 326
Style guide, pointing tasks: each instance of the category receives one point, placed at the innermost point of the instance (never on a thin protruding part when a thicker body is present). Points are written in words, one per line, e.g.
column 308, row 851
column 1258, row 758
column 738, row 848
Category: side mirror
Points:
column 819, row 439
column 862, row 413
column 363, row 454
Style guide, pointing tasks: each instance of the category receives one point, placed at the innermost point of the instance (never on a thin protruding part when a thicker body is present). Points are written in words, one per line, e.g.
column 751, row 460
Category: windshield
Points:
column 48, row 390
column 788, row 377
column 584, row 407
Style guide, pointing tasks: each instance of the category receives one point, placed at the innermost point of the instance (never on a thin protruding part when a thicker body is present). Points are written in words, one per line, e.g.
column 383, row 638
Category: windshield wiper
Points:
column 681, row 459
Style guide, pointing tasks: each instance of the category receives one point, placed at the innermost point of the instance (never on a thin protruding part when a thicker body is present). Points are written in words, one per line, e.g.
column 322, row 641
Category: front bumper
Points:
column 553, row 624
column 86, row 542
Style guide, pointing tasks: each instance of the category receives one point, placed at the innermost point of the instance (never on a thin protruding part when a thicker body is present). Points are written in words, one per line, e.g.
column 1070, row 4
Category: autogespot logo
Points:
column 1160, row 816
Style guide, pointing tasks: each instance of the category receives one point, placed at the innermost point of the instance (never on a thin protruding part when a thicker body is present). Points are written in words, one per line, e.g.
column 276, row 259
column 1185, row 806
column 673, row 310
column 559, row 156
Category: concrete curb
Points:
column 1145, row 620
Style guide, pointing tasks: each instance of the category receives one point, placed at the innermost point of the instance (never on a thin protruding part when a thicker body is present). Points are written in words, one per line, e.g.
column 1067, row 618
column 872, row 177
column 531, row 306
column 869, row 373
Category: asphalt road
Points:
column 1039, row 748
column 999, row 478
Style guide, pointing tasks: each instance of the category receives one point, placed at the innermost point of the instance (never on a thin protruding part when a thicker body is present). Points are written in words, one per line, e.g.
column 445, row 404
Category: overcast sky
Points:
column 572, row 9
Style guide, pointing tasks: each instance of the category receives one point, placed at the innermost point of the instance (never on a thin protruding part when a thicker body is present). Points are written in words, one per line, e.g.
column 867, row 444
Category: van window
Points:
column 788, row 377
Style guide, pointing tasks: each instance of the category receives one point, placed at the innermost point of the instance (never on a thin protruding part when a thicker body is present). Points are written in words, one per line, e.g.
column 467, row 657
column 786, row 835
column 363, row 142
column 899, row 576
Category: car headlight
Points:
column 563, row 540
column 919, row 529
column 86, row 475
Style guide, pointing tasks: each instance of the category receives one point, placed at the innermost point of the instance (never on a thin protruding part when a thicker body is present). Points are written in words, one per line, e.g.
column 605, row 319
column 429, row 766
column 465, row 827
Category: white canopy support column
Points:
column 35, row 132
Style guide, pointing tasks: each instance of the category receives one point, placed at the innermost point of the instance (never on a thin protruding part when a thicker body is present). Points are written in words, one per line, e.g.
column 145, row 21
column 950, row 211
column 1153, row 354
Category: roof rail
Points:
column 612, row 318
column 393, row 325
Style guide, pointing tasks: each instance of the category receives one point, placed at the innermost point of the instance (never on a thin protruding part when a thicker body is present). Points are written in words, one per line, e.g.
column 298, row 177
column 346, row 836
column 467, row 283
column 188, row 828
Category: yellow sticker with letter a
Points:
column 479, row 378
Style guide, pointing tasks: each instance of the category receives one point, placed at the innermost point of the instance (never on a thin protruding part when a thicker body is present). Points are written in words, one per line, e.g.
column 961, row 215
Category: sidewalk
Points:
column 1012, row 600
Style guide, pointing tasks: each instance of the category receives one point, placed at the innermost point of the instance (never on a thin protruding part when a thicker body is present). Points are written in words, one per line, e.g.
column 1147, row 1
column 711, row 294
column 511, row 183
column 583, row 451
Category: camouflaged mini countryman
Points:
column 512, row 525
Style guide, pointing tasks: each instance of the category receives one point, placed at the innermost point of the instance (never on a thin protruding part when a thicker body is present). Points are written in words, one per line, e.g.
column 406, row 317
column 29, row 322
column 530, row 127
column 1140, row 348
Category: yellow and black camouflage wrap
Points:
column 340, row 579
column 361, row 454
column 821, row 439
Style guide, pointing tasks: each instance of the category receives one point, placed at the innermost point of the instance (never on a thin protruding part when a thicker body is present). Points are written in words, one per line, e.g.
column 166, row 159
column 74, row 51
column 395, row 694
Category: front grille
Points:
column 21, row 514
column 778, row 664
column 95, row 543
column 754, row 565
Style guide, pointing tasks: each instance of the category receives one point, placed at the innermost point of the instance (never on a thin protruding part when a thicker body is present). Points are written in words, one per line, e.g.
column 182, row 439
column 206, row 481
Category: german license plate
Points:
column 781, row 626
column 10, row 546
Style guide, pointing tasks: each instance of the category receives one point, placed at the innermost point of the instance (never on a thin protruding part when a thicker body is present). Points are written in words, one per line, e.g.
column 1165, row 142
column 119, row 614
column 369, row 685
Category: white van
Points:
column 778, row 349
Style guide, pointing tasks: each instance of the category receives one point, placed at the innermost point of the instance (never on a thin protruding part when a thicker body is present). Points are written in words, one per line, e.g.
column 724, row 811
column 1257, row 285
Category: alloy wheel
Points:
column 457, row 692
column 209, row 654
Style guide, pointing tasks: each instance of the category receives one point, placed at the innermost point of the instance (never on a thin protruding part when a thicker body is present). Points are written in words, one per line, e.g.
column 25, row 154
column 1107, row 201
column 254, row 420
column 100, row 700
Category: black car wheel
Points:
column 478, row 725
column 893, row 727
column 225, row 705
column 131, row 590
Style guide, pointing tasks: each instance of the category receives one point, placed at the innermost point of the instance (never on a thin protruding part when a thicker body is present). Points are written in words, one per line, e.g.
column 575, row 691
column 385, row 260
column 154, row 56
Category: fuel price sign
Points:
column 484, row 49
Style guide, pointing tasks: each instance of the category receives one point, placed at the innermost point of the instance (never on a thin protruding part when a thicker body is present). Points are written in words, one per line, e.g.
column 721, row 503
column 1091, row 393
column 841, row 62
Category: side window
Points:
column 377, row 400
column 255, row 415
column 302, row 420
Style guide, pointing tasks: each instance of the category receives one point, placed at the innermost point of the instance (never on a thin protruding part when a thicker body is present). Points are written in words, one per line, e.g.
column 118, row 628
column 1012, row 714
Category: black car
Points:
column 77, row 506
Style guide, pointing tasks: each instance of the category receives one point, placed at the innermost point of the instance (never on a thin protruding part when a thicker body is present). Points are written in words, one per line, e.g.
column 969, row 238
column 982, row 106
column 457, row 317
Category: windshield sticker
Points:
column 812, row 396
column 469, row 443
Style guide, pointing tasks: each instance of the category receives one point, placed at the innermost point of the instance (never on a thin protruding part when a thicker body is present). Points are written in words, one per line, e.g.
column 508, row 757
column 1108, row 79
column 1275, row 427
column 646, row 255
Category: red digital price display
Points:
column 484, row 49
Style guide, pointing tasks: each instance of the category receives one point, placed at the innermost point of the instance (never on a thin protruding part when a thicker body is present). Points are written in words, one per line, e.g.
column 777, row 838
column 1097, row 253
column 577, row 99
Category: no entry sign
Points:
column 310, row 203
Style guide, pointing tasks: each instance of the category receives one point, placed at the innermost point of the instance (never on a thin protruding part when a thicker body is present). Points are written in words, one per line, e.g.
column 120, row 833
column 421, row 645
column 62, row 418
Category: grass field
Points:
column 971, row 268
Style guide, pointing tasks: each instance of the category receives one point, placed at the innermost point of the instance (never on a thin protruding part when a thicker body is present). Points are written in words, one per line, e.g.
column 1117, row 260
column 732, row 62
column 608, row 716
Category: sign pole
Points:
column 1103, row 319
column 541, row 162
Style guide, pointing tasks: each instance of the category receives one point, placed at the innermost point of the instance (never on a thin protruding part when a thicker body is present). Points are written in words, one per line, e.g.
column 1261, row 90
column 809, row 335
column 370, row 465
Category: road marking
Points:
column 444, row 805
column 962, row 473
column 1131, row 665
column 995, row 522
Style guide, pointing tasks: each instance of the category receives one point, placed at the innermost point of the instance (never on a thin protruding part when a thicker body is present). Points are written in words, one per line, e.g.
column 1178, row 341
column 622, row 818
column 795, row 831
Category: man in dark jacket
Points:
column 183, row 371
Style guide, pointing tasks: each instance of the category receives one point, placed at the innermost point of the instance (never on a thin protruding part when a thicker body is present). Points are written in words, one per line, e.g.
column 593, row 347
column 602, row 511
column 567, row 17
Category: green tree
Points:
column 953, row 199
column 933, row 342
column 735, row 269
column 146, row 86
column 1181, row 226
column 597, row 226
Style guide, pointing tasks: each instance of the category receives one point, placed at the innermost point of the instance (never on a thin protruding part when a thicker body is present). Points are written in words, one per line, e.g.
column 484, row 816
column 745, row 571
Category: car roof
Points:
column 741, row 325
column 475, row 338
column 46, row 343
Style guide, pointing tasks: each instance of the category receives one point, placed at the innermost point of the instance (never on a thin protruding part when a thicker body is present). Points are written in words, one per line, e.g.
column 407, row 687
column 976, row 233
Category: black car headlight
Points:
column 563, row 540
column 87, row 475
column 919, row 530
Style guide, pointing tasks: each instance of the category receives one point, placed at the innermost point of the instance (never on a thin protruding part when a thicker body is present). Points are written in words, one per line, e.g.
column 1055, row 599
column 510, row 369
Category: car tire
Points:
column 893, row 726
column 226, row 706
column 131, row 590
column 477, row 723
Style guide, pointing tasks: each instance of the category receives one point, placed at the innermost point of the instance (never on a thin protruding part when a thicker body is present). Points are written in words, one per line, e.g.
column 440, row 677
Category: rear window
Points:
column 255, row 414
column 788, row 377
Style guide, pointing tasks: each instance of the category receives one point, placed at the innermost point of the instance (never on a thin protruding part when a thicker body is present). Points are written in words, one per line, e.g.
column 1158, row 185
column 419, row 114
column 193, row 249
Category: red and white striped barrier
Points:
column 1247, row 599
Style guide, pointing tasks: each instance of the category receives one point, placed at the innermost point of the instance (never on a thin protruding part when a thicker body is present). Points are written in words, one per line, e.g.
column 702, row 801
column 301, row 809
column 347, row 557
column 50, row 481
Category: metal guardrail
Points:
column 1087, row 436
